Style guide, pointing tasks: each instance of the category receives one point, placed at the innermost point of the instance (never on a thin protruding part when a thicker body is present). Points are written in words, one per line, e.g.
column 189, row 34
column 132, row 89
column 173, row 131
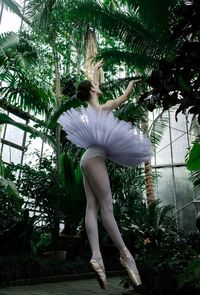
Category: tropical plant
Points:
column 141, row 33
column 193, row 157
column 175, row 81
column 19, row 91
column 41, row 188
column 14, row 7
column 19, row 237
column 73, row 204
column 58, row 197
column 150, row 227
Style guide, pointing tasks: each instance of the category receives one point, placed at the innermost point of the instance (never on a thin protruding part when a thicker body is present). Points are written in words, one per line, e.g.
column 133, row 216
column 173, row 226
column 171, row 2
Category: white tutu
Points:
column 123, row 144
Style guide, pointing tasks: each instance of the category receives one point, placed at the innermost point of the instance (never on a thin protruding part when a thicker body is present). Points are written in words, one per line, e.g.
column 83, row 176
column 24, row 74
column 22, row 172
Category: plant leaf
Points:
column 193, row 162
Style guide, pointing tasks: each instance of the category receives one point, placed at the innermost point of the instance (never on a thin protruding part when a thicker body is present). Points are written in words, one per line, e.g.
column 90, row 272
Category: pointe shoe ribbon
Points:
column 100, row 273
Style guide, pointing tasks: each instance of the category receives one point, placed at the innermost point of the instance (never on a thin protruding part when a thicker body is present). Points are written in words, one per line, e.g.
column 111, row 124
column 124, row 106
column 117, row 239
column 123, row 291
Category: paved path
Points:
column 82, row 287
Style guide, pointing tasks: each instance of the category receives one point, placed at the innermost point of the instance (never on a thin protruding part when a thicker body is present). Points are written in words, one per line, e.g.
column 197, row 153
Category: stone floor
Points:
column 81, row 287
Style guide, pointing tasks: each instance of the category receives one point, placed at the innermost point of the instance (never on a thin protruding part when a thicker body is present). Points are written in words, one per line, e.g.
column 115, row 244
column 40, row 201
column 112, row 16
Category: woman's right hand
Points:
column 132, row 82
column 99, row 64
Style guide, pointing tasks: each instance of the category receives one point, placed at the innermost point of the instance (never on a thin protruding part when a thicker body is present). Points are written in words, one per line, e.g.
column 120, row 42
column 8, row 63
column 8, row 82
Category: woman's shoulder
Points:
column 100, row 107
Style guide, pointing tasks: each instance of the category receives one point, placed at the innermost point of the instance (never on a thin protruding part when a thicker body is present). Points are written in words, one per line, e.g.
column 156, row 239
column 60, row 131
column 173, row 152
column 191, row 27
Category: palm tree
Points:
column 14, row 7
column 19, row 89
column 141, row 29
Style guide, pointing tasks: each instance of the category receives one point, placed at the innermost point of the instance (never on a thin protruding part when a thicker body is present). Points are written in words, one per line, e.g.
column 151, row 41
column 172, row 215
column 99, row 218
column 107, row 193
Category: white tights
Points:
column 99, row 196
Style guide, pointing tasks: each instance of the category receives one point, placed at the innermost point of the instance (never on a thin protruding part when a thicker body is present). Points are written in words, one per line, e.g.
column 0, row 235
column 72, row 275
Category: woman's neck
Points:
column 94, row 101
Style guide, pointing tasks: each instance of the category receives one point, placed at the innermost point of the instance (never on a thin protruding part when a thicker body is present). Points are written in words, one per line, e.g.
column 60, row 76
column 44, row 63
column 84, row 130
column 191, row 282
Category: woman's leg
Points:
column 91, row 214
column 96, row 173
column 91, row 226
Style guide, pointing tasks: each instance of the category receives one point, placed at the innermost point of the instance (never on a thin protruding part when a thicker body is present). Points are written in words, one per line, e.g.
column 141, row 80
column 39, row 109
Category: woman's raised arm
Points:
column 115, row 103
column 97, row 66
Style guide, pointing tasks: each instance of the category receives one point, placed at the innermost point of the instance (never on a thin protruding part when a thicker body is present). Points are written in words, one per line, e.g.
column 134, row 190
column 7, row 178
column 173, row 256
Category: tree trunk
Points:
column 148, row 171
column 91, row 52
column 58, row 94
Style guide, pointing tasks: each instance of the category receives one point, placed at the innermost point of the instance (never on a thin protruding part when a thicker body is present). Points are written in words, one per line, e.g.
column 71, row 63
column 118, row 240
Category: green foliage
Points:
column 195, row 179
column 5, row 119
column 19, row 236
column 145, row 228
column 175, row 81
column 193, row 162
column 138, row 60
column 18, row 59
column 73, row 205
column 153, row 228
column 66, row 104
column 143, row 31
column 11, row 202
column 191, row 274
column 16, row 51
column 16, row 267
column 157, row 128
column 175, row 271
column 13, row 6
column 57, row 197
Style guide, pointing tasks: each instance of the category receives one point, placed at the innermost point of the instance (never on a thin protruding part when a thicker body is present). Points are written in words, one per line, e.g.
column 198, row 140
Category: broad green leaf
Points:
column 193, row 162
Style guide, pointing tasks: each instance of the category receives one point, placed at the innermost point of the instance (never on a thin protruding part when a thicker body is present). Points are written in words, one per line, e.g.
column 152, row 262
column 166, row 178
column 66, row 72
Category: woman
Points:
column 105, row 137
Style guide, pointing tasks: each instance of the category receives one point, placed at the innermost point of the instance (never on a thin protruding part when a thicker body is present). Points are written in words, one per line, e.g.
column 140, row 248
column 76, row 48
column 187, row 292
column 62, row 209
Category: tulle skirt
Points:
column 121, row 142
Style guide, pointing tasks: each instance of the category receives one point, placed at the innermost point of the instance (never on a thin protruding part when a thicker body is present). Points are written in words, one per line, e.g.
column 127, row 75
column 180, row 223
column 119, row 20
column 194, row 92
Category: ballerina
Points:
column 104, row 137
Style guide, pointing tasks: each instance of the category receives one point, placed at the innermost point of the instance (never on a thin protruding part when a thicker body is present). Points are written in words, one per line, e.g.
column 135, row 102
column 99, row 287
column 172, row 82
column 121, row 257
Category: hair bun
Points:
column 82, row 95
column 83, row 90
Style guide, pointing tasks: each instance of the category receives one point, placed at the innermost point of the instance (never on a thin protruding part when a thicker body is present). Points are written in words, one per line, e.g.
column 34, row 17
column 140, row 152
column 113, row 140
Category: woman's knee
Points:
column 106, row 208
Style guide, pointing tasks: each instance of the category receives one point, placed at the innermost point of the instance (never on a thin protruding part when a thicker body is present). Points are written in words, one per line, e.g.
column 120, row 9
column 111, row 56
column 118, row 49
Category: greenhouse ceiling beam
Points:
column 14, row 145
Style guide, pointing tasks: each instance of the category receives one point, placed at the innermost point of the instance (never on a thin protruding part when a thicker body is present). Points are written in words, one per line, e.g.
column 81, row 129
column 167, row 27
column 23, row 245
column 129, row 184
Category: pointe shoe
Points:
column 100, row 272
column 133, row 274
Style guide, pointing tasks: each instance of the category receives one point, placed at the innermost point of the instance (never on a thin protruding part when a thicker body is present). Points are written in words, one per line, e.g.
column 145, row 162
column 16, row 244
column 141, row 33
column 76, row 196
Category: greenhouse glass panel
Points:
column 11, row 154
column 47, row 150
column 163, row 152
column 165, row 186
column 34, row 146
column 8, row 26
column 184, row 198
column 184, row 188
column 14, row 134
column 179, row 138
column 16, row 118
column 2, row 130
column 187, row 218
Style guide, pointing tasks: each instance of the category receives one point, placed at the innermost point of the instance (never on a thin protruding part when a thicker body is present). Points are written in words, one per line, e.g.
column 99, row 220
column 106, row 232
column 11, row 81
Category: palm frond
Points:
column 41, row 14
column 115, row 87
column 195, row 179
column 125, row 26
column 154, row 12
column 165, row 214
column 26, row 93
column 5, row 119
column 2, row 167
column 16, row 51
column 14, row 7
column 137, row 60
column 157, row 128
column 66, row 105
